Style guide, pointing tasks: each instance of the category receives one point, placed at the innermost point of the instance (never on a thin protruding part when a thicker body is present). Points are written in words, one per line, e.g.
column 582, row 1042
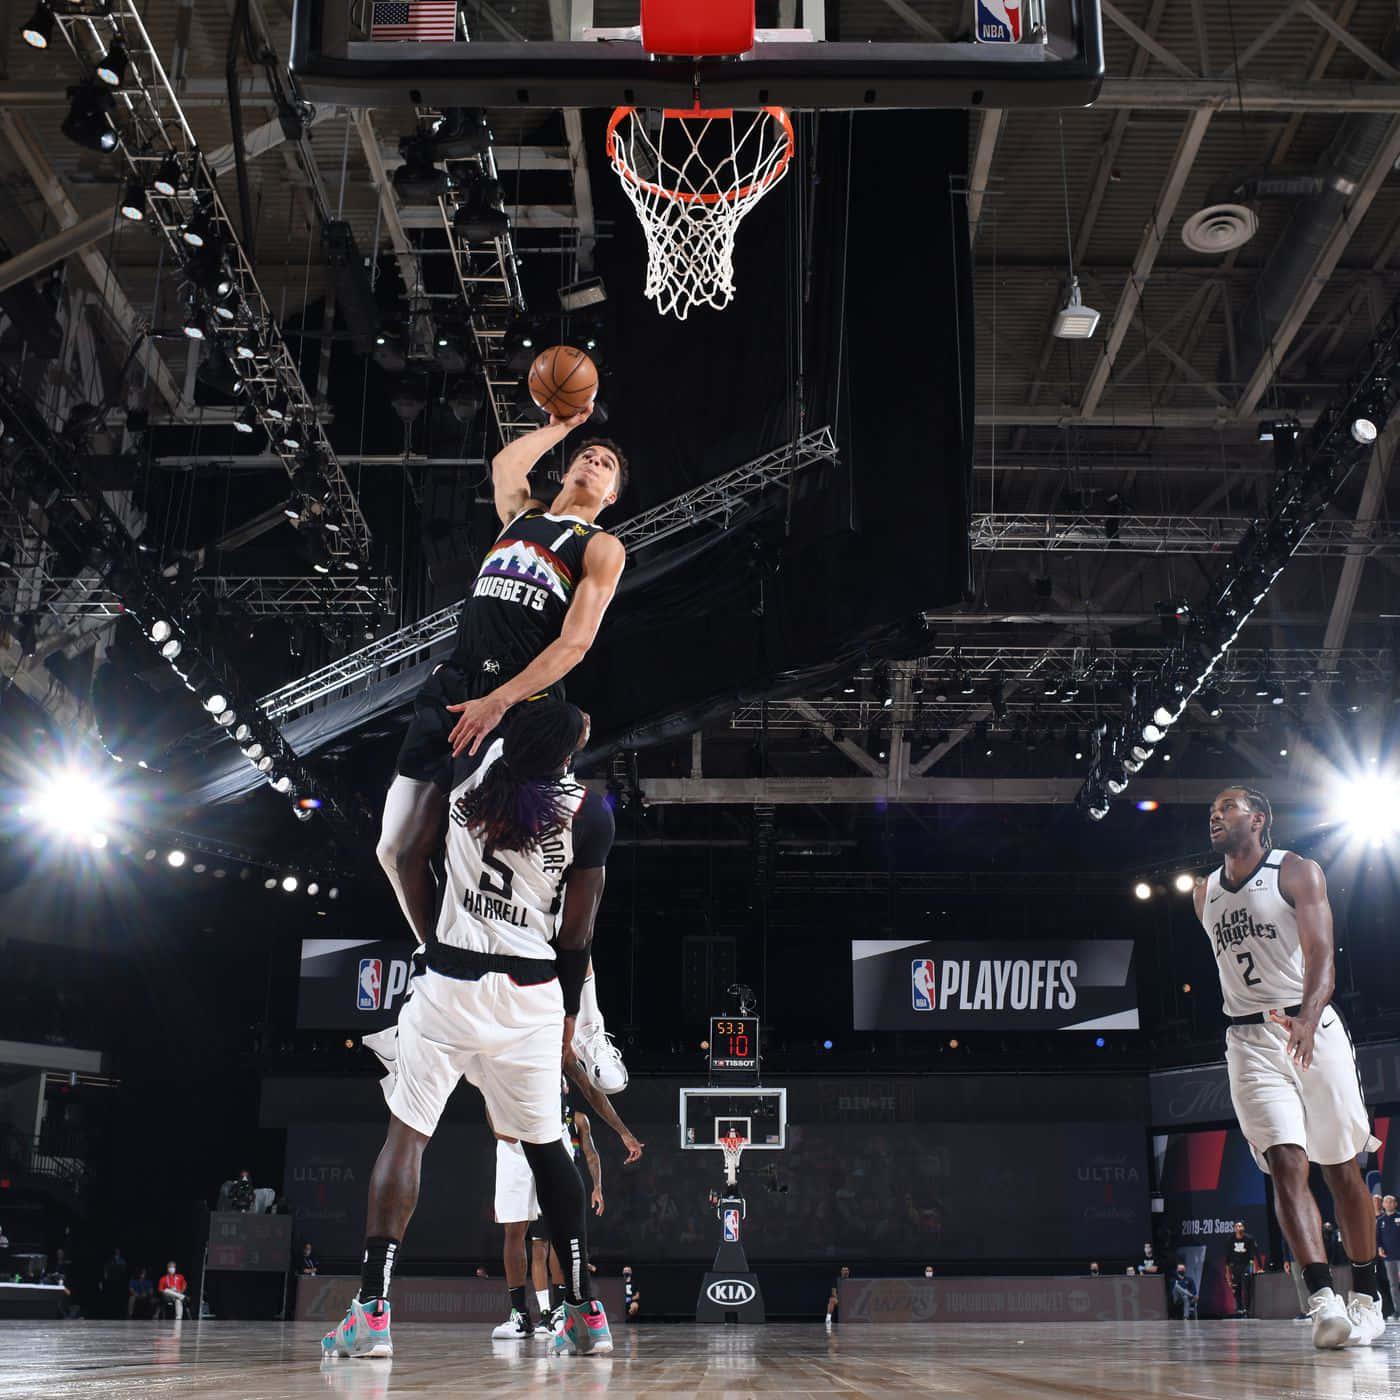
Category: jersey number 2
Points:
column 499, row 884
column 1250, row 980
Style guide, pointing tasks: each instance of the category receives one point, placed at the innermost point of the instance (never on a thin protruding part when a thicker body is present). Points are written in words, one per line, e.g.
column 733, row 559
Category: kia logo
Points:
column 731, row 1292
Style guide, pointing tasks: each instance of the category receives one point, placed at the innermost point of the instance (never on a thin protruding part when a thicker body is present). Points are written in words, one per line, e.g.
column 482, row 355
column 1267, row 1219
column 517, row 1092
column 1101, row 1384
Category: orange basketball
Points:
column 563, row 381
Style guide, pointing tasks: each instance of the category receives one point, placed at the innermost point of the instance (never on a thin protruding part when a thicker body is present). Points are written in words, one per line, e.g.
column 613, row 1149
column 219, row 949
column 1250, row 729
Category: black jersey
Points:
column 523, row 589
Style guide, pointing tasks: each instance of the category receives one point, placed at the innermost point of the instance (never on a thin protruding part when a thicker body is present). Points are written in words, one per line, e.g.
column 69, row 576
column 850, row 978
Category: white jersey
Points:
column 508, row 902
column 1254, row 931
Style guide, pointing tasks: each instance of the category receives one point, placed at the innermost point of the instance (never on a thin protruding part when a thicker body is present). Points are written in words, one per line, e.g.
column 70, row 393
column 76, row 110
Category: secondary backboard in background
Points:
column 759, row 1115
column 861, row 55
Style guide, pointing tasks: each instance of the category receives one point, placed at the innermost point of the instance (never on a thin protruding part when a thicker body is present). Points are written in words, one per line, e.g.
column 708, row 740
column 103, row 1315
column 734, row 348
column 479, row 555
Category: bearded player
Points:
column 530, row 618
column 496, row 1004
column 1292, row 1069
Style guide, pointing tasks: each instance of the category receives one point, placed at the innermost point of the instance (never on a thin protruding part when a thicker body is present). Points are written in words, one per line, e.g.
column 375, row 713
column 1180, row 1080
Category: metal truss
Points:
column 152, row 126
column 265, row 596
column 1164, row 534
column 715, row 501
column 720, row 498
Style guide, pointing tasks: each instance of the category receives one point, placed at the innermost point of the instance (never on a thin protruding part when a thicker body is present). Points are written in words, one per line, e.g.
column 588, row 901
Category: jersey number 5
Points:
column 501, row 883
column 1250, row 980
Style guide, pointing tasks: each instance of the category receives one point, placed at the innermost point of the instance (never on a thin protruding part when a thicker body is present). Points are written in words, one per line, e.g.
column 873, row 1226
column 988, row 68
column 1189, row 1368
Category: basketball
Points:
column 563, row 381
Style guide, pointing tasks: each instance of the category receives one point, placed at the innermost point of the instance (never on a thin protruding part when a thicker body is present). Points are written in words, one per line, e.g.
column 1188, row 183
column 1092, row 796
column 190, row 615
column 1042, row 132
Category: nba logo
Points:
column 731, row 1226
column 922, row 984
column 371, row 979
column 998, row 21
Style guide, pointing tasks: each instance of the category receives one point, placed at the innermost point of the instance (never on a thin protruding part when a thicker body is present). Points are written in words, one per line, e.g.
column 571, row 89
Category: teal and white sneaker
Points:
column 584, row 1331
column 364, row 1332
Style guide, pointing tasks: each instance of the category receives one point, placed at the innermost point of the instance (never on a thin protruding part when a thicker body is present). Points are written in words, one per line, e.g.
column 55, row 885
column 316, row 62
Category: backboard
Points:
column 828, row 54
column 759, row 1116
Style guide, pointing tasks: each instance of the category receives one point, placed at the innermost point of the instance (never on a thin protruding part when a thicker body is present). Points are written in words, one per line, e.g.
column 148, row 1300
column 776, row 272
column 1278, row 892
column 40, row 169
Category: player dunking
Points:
column 497, row 1003
column 1292, row 1069
column 531, row 616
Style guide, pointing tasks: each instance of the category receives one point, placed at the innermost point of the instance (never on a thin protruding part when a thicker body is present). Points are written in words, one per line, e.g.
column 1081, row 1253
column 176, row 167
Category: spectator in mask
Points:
column 1184, row 1292
column 173, row 1290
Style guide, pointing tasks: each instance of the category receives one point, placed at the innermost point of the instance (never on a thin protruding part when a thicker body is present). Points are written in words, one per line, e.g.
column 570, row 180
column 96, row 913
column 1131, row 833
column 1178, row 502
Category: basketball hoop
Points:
column 732, row 1145
column 692, row 178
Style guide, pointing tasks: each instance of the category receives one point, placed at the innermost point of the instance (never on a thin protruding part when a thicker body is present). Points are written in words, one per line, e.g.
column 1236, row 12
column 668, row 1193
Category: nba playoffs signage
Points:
column 904, row 984
column 352, row 984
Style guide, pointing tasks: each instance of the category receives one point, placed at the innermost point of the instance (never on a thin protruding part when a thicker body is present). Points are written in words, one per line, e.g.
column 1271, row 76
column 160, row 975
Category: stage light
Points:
column 1283, row 751
column 1212, row 702
column 70, row 803
column 1115, row 779
column 264, row 764
column 1184, row 883
column 243, row 733
column 198, row 229
column 98, row 840
column 309, row 803
column 1369, row 807
column 1099, row 1041
column 1363, row 430
column 1148, row 804
column 247, row 420
column 290, row 883
column 176, row 859
column 87, row 123
column 1075, row 321
column 225, row 718
column 216, row 702
column 294, row 436
column 270, row 883
column 39, row 31
column 254, row 751
column 151, row 854
column 282, row 783
column 333, row 893
column 277, row 407
column 313, row 889
column 133, row 205
column 1163, row 717
column 1153, row 733
column 168, row 176
column 1142, row 890
column 111, row 68
column 953, row 1044
column 248, row 346
column 199, row 868
column 966, row 685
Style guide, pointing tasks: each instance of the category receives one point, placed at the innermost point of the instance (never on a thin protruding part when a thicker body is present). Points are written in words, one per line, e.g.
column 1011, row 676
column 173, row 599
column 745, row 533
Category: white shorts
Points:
column 515, row 1185
column 505, row 1039
column 1319, row 1109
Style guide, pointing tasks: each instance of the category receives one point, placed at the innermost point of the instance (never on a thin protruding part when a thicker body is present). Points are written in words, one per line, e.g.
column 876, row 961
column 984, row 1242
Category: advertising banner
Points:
column 964, row 1300
column 1069, row 985
column 350, row 984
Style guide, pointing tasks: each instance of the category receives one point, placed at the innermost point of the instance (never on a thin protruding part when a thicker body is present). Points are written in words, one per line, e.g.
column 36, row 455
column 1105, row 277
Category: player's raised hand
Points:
column 634, row 1149
column 476, row 719
column 597, row 1200
column 1301, row 1034
column 573, row 421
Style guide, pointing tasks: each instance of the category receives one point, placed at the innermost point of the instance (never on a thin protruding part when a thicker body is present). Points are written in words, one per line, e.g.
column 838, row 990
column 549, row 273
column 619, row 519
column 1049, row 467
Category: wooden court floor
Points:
column 1107, row 1361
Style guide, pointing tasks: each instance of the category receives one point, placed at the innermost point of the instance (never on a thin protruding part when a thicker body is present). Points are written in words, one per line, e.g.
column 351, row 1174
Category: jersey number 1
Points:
column 1250, row 980
column 501, row 883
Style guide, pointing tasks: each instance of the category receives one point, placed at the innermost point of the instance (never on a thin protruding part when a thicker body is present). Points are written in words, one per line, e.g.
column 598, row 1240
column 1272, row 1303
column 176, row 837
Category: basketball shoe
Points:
column 1367, row 1319
column 603, row 1060
column 584, row 1331
column 1331, row 1325
column 364, row 1332
column 517, row 1327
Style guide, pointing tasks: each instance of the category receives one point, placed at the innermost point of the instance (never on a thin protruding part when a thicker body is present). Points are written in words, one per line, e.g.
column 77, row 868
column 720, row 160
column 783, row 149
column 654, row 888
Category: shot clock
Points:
column 733, row 1045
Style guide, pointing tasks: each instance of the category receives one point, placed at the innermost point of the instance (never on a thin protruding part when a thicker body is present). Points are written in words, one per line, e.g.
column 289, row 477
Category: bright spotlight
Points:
column 99, row 840
column 216, row 702
column 176, row 859
column 290, row 883
column 1369, row 807
column 71, row 804
column 161, row 631
column 313, row 888
column 270, row 883
column 333, row 893
column 1184, row 883
column 1142, row 890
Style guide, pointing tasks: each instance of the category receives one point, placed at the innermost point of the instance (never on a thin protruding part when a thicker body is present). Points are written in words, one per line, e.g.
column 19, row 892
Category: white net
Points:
column 733, row 1149
column 691, row 177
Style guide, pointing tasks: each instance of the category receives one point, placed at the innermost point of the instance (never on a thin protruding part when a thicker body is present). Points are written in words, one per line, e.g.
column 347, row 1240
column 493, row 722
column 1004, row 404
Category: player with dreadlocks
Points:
column 1292, row 1069
column 497, row 1002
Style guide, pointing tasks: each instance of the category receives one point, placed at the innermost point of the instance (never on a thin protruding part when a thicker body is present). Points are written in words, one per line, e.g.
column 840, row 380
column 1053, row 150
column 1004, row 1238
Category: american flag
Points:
column 414, row 19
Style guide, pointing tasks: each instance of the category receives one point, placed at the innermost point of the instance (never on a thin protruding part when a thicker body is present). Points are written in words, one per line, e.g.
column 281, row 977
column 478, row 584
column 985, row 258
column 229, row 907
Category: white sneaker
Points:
column 1367, row 1319
column 595, row 1048
column 516, row 1327
column 1331, row 1323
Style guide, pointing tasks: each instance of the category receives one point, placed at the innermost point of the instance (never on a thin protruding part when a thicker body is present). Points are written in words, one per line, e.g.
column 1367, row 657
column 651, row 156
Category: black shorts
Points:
column 426, row 752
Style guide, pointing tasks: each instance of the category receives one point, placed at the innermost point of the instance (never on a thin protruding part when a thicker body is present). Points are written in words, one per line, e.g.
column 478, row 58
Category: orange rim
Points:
column 778, row 114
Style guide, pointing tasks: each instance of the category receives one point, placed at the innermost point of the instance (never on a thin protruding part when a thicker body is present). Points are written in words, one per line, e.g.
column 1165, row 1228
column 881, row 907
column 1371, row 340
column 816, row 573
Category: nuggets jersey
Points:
column 521, row 592
column 509, row 901
column 1254, row 931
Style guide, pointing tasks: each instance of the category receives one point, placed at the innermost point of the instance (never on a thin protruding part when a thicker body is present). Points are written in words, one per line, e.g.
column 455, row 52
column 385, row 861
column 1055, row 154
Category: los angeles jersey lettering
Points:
column 523, row 589
column 1254, row 931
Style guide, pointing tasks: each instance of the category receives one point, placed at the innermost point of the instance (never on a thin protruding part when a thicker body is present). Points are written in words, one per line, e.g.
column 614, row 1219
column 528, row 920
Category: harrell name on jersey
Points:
column 1254, row 931
column 509, row 901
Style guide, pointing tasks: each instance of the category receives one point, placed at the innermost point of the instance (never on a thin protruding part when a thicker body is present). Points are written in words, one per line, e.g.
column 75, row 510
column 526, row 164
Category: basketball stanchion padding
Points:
column 685, row 29
column 692, row 176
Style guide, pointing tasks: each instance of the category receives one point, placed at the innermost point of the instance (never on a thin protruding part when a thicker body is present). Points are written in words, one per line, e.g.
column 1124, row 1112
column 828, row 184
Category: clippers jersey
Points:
column 1254, row 931
column 509, row 901
column 523, row 589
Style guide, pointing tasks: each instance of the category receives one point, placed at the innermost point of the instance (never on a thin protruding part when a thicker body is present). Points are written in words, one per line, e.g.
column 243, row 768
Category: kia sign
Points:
column 731, row 1292
column 352, row 984
column 1078, row 985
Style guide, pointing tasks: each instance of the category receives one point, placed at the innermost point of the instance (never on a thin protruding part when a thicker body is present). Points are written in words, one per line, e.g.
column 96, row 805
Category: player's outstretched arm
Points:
column 591, row 1159
column 1304, row 885
column 510, row 467
column 602, row 1106
column 602, row 567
